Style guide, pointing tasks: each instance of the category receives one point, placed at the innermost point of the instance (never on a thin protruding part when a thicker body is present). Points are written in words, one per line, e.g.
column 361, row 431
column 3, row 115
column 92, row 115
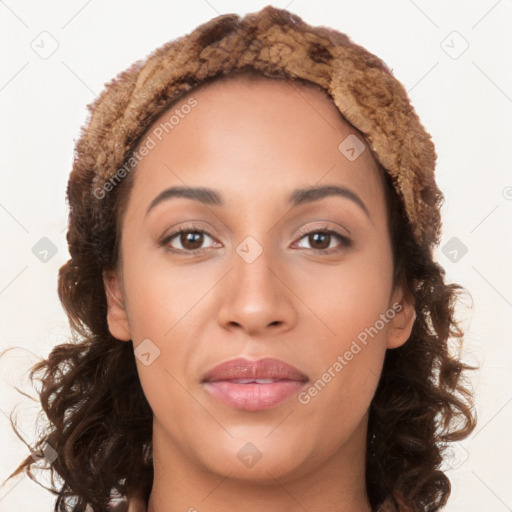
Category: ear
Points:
column 117, row 317
column 400, row 326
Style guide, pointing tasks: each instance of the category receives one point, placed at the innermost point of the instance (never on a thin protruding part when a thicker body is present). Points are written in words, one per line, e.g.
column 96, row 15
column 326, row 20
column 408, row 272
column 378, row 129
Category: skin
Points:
column 303, row 306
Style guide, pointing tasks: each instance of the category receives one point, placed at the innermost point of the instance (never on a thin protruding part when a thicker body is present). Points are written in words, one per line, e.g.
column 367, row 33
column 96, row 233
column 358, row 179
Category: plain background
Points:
column 454, row 60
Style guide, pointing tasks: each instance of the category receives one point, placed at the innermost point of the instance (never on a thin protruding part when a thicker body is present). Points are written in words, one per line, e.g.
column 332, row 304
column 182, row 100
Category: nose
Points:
column 255, row 297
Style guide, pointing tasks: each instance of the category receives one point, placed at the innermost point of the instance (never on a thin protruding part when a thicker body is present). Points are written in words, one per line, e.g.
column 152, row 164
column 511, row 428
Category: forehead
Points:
column 255, row 137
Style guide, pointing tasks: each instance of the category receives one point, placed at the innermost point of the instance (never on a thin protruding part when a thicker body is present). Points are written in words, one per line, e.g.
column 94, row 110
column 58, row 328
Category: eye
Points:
column 321, row 239
column 188, row 238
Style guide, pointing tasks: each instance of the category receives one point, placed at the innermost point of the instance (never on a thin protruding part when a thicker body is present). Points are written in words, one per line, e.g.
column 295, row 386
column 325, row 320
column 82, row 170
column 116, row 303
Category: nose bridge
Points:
column 254, row 295
column 254, row 274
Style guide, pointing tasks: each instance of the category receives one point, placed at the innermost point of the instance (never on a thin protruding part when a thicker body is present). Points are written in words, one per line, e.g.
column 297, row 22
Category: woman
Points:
column 261, row 322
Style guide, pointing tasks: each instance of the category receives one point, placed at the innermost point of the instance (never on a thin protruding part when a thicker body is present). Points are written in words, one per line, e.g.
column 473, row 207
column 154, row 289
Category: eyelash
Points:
column 325, row 230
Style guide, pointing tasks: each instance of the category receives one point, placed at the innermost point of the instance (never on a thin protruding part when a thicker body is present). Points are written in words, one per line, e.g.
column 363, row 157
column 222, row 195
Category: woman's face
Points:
column 262, row 281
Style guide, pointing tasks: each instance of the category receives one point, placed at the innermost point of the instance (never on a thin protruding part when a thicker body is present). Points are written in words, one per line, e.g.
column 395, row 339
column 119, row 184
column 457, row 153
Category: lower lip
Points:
column 254, row 396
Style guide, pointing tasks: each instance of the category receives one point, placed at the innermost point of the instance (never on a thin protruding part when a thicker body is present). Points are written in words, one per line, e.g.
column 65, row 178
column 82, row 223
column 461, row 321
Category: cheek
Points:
column 160, row 295
column 350, row 302
column 350, row 296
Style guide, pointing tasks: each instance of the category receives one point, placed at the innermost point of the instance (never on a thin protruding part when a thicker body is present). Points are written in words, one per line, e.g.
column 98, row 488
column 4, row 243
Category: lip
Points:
column 221, row 382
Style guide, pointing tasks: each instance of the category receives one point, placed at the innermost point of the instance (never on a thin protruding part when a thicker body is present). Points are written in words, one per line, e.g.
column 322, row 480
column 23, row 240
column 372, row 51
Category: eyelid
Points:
column 325, row 225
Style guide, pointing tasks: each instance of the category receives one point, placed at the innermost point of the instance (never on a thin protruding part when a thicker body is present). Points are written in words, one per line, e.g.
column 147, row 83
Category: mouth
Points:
column 254, row 385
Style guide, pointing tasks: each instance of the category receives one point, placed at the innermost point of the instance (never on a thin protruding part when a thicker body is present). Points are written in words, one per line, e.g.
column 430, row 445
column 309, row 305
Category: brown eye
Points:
column 320, row 240
column 191, row 240
column 186, row 240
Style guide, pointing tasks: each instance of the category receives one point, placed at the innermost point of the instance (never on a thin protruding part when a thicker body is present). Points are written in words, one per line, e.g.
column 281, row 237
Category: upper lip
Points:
column 266, row 368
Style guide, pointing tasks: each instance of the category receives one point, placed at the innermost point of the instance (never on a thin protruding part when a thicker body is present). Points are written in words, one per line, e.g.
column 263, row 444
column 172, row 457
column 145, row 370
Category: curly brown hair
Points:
column 99, row 422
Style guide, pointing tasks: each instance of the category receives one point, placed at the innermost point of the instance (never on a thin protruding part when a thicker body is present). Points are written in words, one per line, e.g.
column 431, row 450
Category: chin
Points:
column 258, row 458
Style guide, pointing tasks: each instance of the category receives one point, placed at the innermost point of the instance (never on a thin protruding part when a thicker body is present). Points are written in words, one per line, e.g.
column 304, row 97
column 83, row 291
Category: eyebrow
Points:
column 211, row 197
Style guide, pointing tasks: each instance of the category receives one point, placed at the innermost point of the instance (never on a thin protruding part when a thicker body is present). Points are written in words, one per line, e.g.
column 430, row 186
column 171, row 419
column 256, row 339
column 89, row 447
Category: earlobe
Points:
column 117, row 317
column 400, row 326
